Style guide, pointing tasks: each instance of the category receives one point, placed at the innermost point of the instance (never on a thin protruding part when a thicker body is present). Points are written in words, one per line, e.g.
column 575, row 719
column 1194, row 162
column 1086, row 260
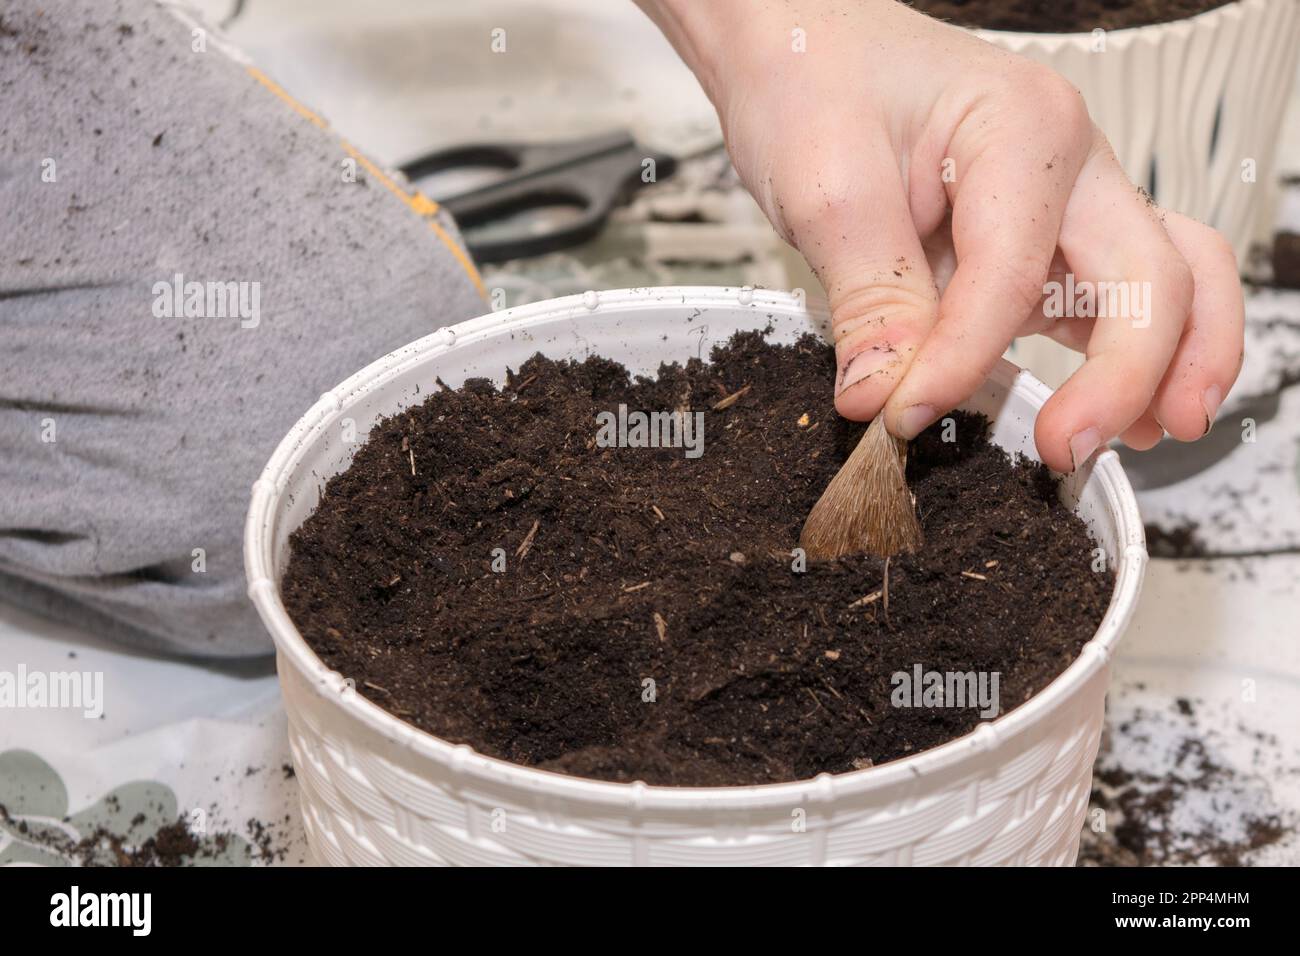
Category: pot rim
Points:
column 1125, row 34
column 463, row 761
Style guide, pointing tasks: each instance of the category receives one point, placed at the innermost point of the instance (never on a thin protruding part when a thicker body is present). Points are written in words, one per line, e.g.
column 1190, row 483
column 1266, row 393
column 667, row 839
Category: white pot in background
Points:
column 376, row 790
column 1187, row 103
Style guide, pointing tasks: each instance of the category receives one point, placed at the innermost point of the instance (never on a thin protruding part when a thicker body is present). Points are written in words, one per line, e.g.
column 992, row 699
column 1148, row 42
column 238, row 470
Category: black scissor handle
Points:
column 594, row 175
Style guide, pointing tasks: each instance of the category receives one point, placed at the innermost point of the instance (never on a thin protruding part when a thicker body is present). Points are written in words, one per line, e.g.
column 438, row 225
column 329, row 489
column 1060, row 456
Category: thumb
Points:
column 863, row 247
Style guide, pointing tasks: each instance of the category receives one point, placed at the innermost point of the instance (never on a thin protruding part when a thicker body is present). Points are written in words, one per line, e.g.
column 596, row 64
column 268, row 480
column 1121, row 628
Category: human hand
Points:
column 895, row 151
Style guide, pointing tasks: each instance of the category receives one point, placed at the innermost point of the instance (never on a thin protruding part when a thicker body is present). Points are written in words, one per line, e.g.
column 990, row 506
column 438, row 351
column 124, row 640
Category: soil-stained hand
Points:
column 937, row 185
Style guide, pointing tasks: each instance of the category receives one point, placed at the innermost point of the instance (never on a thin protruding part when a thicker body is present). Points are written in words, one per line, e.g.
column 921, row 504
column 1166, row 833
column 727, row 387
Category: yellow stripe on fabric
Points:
column 419, row 203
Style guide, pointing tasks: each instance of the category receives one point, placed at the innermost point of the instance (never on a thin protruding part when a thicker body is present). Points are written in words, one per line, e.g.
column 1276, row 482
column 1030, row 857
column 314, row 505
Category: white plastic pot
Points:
column 376, row 790
column 1190, row 102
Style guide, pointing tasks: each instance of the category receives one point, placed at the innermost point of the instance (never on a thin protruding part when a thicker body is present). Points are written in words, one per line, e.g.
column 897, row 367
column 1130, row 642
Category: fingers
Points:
column 1208, row 356
column 1143, row 434
column 1007, row 214
column 1142, row 293
column 854, row 227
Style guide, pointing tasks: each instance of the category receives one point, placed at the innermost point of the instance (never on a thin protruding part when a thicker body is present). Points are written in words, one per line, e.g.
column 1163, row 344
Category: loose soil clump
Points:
column 1286, row 260
column 486, row 570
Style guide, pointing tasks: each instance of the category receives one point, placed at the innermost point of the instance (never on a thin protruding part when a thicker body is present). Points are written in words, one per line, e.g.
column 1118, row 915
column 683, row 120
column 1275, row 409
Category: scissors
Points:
column 594, row 175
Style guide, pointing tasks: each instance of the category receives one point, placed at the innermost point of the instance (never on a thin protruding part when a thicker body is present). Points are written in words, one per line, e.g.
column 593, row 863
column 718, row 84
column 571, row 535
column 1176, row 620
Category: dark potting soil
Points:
column 1286, row 260
column 1063, row 16
column 648, row 623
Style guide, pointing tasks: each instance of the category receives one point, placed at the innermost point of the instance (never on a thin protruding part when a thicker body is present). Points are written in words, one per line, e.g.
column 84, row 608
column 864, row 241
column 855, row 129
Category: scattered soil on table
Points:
column 1062, row 16
column 136, row 844
column 1286, row 260
column 648, row 623
column 1147, row 835
column 1179, row 541
column 1185, row 806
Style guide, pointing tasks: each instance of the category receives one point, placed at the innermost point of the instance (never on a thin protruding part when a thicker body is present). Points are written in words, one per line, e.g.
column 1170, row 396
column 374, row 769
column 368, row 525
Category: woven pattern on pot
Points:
column 1023, row 807
column 1192, row 107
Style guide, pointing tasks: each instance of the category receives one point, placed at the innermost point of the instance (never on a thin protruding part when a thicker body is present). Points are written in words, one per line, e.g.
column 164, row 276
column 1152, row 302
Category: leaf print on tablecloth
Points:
column 36, row 828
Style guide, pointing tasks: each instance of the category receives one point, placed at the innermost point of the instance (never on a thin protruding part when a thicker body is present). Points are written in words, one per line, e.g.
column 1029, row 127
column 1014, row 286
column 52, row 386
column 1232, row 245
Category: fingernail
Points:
column 1083, row 444
column 861, row 366
column 915, row 419
column 1211, row 398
